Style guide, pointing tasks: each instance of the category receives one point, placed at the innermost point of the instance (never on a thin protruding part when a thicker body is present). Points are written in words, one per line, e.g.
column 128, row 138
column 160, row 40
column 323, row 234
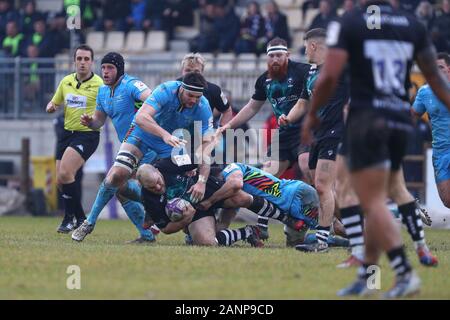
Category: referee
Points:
column 77, row 93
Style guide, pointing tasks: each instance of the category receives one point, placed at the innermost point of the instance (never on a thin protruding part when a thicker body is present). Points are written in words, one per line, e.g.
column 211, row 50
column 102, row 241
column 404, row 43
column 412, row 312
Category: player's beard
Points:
column 278, row 71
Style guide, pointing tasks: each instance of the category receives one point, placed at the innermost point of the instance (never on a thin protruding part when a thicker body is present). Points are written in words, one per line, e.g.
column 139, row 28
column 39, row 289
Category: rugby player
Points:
column 379, row 56
column 119, row 98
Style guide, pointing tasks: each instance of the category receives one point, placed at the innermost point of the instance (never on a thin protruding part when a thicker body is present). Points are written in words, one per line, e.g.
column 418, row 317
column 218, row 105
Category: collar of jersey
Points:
column 79, row 83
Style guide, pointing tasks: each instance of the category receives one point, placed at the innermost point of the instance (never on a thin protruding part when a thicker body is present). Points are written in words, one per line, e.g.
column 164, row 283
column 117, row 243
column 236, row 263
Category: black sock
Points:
column 264, row 208
column 72, row 201
column 412, row 221
column 227, row 237
column 353, row 221
column 363, row 271
column 398, row 261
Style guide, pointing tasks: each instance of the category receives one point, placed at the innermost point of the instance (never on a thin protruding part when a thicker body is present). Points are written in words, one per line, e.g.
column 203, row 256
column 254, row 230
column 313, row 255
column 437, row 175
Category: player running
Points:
column 119, row 98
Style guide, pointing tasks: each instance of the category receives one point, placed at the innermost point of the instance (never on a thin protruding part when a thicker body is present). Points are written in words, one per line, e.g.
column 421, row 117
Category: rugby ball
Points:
column 174, row 209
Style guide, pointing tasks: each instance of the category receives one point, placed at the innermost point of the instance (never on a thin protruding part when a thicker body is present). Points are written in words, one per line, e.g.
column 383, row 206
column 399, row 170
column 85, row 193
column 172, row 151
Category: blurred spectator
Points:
column 177, row 13
column 348, row 5
column 31, row 79
column 42, row 39
column 276, row 23
column 440, row 31
column 28, row 16
column 114, row 15
column 154, row 15
column 7, row 13
column 226, row 26
column 326, row 14
column 58, row 29
column 13, row 42
column 308, row 4
column 425, row 14
column 136, row 17
column 253, row 31
column 207, row 39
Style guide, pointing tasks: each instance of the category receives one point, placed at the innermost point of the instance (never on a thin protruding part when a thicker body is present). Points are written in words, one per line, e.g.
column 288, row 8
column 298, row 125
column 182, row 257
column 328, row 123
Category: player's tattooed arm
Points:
column 426, row 59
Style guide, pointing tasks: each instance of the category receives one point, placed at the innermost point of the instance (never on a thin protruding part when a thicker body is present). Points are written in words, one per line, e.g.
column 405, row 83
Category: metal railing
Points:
column 26, row 85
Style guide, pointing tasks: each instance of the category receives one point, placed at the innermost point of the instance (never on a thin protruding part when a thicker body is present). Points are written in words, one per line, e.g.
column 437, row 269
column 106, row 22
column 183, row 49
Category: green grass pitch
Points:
column 34, row 260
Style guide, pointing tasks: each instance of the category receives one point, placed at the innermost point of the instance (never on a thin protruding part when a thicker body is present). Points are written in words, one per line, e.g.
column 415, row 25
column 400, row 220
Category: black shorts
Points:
column 325, row 149
column 84, row 142
column 374, row 139
column 289, row 147
column 201, row 214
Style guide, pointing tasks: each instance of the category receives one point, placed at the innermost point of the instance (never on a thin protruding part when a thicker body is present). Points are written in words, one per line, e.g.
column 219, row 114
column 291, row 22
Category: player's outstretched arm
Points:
column 93, row 122
column 226, row 116
column 246, row 113
column 299, row 109
column 426, row 59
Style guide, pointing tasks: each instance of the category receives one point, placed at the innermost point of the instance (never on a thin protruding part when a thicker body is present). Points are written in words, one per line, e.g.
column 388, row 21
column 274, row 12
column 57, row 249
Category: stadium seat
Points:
column 49, row 5
column 210, row 61
column 156, row 41
column 185, row 33
column 286, row 3
column 179, row 45
column 96, row 40
column 246, row 61
column 294, row 18
column 297, row 40
column 115, row 41
column 225, row 61
column 135, row 41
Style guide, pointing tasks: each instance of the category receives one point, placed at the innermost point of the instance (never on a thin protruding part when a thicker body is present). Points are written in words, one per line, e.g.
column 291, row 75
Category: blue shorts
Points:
column 135, row 137
column 148, row 157
column 305, row 205
column 441, row 166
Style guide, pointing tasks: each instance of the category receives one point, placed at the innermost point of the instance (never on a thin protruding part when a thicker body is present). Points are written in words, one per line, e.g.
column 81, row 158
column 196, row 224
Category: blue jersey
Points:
column 121, row 103
column 426, row 101
column 280, row 192
column 171, row 115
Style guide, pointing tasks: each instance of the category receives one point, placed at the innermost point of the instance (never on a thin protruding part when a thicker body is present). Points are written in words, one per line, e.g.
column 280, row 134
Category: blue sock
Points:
column 104, row 194
column 131, row 190
column 136, row 214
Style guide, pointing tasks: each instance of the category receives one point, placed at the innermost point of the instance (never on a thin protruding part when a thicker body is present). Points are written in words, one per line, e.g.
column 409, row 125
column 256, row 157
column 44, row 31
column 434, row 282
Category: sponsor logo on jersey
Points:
column 76, row 101
column 140, row 85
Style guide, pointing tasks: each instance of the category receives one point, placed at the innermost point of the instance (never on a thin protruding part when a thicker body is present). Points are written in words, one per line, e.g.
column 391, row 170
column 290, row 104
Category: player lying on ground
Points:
column 161, row 192
column 297, row 202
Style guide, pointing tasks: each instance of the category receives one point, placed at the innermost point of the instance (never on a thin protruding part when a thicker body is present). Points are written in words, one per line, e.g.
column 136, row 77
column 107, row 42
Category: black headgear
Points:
column 115, row 59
